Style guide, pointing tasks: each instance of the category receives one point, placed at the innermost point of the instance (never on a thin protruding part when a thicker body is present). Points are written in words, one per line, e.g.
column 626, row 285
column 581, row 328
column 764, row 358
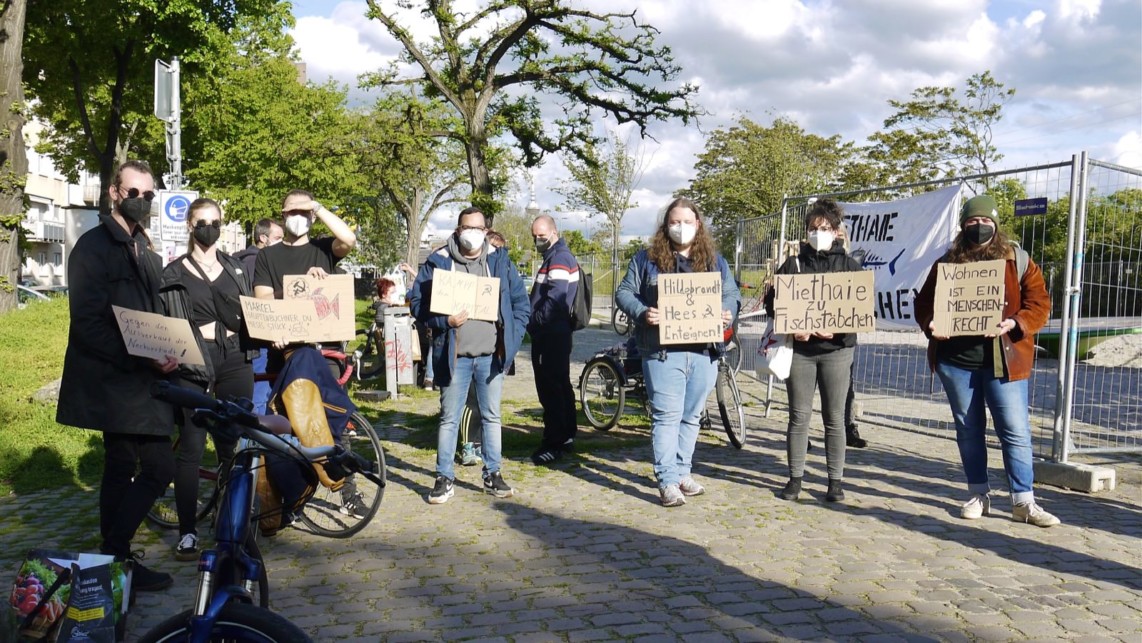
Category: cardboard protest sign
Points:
column 332, row 299
column 155, row 336
column 831, row 302
column 281, row 320
column 969, row 298
column 690, row 308
column 454, row 291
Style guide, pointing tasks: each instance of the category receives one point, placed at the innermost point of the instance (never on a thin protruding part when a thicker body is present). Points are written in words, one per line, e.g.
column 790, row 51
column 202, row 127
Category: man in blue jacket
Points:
column 471, row 350
column 552, row 300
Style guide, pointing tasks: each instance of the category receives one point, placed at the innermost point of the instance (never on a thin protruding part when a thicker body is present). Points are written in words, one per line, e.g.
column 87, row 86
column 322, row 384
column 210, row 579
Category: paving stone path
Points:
column 584, row 552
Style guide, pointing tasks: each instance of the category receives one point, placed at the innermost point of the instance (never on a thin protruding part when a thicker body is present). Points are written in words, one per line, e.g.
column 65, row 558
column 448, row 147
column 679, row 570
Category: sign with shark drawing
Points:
column 314, row 310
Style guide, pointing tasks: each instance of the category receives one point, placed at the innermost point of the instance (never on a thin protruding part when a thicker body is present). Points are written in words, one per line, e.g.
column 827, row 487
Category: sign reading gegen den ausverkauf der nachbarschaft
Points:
column 690, row 308
column 969, row 298
column 834, row 302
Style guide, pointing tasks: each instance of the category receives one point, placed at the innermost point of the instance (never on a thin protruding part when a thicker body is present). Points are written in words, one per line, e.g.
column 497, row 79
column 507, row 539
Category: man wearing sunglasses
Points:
column 106, row 389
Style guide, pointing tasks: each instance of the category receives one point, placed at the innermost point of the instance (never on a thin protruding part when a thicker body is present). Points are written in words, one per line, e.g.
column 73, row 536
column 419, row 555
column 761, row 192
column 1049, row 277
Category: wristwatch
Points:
column 316, row 206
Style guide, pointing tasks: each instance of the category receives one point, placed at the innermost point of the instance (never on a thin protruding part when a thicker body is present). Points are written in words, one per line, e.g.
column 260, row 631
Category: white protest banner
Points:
column 453, row 292
column 901, row 240
column 969, row 298
column 690, row 308
column 279, row 320
column 831, row 302
column 155, row 336
column 332, row 299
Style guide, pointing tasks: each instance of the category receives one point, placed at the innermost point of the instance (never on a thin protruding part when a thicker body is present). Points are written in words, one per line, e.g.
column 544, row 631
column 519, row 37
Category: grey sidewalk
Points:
column 584, row 552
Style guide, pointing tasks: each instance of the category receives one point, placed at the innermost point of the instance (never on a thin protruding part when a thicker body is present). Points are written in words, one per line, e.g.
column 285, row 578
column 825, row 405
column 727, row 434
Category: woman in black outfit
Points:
column 203, row 286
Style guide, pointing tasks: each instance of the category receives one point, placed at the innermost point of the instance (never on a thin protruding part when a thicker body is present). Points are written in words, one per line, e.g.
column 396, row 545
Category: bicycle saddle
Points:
column 276, row 424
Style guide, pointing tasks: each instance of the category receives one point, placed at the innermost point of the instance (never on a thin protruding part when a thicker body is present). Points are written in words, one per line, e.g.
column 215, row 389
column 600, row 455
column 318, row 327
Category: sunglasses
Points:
column 216, row 224
column 134, row 193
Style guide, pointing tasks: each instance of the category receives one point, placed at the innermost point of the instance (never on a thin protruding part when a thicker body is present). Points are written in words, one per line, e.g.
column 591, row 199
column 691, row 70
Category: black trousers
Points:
column 125, row 498
column 551, row 363
column 234, row 377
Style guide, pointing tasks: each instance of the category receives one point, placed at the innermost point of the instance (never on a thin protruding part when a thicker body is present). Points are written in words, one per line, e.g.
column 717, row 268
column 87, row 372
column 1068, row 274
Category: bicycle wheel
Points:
column 235, row 622
column 601, row 394
column 619, row 321
column 326, row 513
column 164, row 514
column 368, row 356
column 730, row 406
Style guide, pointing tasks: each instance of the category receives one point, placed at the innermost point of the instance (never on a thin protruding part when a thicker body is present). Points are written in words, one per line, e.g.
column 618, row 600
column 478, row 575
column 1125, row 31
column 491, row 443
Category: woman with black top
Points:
column 821, row 360
column 203, row 286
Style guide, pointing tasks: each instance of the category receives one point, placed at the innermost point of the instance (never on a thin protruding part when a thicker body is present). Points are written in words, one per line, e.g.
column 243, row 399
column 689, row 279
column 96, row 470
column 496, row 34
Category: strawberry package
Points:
column 65, row 596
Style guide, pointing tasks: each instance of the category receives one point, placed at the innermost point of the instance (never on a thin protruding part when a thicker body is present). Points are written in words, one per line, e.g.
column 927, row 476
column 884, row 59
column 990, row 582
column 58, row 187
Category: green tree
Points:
column 89, row 65
column 602, row 182
column 13, row 158
column 578, row 244
column 632, row 247
column 257, row 131
column 748, row 170
column 489, row 66
column 941, row 132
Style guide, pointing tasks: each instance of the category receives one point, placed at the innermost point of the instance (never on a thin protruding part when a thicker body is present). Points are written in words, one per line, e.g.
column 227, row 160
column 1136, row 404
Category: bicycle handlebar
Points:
column 340, row 461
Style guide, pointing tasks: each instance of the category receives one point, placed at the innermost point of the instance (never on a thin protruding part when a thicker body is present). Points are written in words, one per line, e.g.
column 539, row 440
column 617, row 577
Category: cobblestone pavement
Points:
column 584, row 552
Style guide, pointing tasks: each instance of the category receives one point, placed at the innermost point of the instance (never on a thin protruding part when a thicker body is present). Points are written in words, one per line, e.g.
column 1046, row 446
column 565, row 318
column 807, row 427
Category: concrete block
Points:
column 1070, row 475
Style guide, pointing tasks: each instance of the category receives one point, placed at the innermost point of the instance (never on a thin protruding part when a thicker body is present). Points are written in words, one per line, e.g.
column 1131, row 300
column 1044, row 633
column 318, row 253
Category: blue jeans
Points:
column 262, row 390
column 968, row 392
column 489, row 388
column 677, row 388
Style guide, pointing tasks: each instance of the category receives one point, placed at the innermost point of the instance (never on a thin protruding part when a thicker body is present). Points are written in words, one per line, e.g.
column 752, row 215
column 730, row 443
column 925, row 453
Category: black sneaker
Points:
column 546, row 455
column 187, row 548
column 495, row 485
column 853, row 439
column 441, row 491
column 835, row 493
column 148, row 580
column 353, row 504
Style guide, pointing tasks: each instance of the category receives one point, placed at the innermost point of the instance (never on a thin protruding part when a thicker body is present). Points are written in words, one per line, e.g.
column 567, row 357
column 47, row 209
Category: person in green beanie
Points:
column 991, row 371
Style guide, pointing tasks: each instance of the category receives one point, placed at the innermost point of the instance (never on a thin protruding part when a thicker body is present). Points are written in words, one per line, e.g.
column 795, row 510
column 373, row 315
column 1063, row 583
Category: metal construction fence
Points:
column 1086, row 389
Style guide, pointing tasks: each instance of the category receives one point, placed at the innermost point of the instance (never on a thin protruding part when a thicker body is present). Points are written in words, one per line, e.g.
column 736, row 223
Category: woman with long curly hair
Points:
column 678, row 377
column 991, row 370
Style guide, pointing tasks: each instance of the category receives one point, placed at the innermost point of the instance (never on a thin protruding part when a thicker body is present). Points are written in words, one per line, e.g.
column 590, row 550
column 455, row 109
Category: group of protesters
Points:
column 106, row 389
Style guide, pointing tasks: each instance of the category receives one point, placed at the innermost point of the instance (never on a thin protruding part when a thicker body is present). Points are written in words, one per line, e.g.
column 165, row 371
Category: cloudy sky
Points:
column 832, row 66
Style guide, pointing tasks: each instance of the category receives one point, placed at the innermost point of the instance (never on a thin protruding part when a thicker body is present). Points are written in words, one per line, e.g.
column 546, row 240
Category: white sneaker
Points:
column 977, row 507
column 1031, row 513
column 672, row 496
column 690, row 487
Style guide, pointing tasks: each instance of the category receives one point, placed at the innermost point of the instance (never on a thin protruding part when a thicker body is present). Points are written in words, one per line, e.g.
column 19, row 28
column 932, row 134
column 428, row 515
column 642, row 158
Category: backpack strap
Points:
column 1021, row 261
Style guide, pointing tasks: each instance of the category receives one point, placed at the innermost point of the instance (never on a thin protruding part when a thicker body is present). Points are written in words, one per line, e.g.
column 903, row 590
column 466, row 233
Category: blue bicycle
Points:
column 233, row 589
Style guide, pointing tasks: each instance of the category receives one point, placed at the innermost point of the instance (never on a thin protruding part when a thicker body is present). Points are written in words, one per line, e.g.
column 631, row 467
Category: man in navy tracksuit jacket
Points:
column 552, row 300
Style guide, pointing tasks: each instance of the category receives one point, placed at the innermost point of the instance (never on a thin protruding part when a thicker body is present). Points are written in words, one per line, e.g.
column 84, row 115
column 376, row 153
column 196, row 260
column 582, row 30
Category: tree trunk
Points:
column 478, row 174
column 13, row 157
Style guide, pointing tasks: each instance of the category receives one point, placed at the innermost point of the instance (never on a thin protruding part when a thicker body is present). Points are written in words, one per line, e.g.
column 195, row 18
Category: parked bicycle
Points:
column 325, row 514
column 613, row 375
column 233, row 587
column 620, row 321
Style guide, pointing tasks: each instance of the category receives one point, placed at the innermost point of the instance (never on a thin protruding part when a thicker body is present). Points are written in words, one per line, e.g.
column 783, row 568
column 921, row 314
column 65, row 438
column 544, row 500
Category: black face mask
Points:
column 207, row 235
column 135, row 210
column 979, row 234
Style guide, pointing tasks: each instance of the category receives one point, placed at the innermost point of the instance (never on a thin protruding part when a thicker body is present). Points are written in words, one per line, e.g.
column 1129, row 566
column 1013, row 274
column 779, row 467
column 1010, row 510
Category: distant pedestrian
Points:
column 552, row 302
column 678, row 377
column 991, row 371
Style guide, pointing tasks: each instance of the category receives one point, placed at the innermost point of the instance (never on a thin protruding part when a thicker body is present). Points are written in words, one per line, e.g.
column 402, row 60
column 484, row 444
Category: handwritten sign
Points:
column 285, row 320
column 155, row 336
column 453, row 292
column 690, row 308
column 332, row 299
column 831, row 302
column 969, row 298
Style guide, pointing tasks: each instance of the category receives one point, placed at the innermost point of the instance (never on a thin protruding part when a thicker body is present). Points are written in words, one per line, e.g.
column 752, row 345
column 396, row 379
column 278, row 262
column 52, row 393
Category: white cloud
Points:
column 833, row 65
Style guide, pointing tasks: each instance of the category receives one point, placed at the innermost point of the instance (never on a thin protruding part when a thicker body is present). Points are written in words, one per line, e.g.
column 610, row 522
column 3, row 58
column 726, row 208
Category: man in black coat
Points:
column 106, row 389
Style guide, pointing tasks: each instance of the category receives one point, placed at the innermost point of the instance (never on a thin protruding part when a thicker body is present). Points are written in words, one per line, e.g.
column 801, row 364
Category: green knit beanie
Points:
column 980, row 206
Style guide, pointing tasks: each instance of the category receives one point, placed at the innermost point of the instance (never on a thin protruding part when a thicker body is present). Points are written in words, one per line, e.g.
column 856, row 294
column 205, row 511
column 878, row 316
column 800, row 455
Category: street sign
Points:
column 174, row 207
column 165, row 87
